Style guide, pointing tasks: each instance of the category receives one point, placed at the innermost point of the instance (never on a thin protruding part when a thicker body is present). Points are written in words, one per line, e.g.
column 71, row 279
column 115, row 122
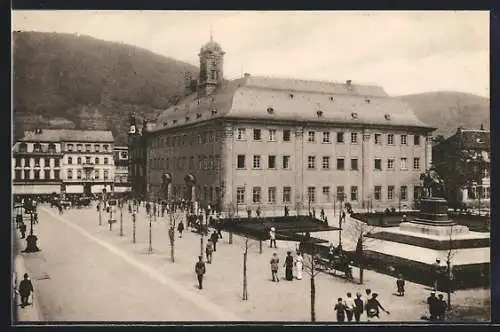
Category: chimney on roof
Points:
column 459, row 129
column 482, row 127
column 246, row 75
column 38, row 130
column 348, row 82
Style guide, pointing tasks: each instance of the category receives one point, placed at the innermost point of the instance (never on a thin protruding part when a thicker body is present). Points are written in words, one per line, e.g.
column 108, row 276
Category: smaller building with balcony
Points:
column 36, row 164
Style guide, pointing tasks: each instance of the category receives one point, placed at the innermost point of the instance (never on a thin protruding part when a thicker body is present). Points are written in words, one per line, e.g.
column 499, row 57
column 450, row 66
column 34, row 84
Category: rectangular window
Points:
column 240, row 134
column 326, row 162
column 87, row 160
column 18, row 173
column 340, row 193
column 354, row 193
column 326, row 194
column 256, row 194
column 70, row 147
column 37, row 162
column 271, row 162
column 404, row 193
column 257, row 135
column 286, row 135
column 286, row 162
column 354, row 138
column 240, row 195
column 378, row 193
column 326, row 137
column 378, row 164
column 37, row 174
column 46, row 174
column 311, row 136
column 378, row 138
column 27, row 162
column 106, row 174
column 87, row 147
column 105, row 147
column 311, row 194
column 271, row 195
column 256, row 161
column 417, row 192
column 70, row 174
column 390, row 139
column 403, row 163
column 241, row 161
column 18, row 162
column 46, row 162
column 416, row 140
column 26, row 174
column 287, row 194
column 404, row 140
column 311, row 162
column 340, row 137
column 354, row 164
column 390, row 192
column 416, row 163
column 390, row 163
column 79, row 147
column 97, row 147
column 272, row 135
column 57, row 174
column 79, row 174
column 340, row 164
column 106, row 161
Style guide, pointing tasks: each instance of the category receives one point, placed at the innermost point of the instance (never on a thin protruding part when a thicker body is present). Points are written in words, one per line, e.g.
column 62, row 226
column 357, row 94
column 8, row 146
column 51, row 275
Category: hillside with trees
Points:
column 72, row 81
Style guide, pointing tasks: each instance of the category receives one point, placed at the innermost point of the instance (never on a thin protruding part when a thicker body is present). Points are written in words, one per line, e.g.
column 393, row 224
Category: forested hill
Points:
column 72, row 81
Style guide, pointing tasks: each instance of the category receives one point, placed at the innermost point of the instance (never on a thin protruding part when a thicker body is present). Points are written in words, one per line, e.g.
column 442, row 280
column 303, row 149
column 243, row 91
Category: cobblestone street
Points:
column 97, row 275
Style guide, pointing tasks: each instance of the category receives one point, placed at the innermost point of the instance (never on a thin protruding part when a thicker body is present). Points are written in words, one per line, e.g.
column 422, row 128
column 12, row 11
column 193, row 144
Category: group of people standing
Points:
column 351, row 308
column 291, row 262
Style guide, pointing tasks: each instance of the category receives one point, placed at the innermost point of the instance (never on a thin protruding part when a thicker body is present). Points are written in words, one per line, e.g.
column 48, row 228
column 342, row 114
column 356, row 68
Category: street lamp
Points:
column 341, row 199
column 31, row 239
column 121, row 218
column 150, row 248
column 135, row 210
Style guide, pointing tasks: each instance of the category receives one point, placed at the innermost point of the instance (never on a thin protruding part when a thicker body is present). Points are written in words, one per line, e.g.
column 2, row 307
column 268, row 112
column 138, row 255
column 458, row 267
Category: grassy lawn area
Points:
column 474, row 310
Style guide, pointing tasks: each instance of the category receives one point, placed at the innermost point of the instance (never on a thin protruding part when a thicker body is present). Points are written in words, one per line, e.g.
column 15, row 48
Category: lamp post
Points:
column 150, row 248
column 133, row 224
column 31, row 239
column 121, row 219
column 341, row 199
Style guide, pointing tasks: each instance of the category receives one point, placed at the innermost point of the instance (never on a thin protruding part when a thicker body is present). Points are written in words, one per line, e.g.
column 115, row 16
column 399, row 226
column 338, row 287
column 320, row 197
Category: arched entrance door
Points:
column 190, row 181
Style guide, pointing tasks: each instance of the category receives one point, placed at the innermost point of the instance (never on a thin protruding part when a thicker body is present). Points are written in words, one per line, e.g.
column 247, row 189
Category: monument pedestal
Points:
column 415, row 245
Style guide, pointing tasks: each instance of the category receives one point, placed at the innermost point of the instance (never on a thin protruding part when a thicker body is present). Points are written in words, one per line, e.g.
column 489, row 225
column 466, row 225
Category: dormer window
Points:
column 319, row 113
column 354, row 115
column 387, row 116
column 214, row 111
column 367, row 100
column 290, row 96
column 174, row 122
column 270, row 110
column 331, row 99
column 198, row 115
column 165, row 124
column 197, row 101
column 187, row 118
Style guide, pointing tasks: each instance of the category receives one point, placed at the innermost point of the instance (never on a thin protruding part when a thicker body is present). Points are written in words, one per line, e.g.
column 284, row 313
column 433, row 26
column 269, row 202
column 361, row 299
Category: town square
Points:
column 148, row 189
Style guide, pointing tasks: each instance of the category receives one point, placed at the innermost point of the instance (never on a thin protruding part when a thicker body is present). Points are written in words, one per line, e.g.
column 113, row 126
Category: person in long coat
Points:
column 25, row 290
column 289, row 266
column 180, row 228
column 299, row 265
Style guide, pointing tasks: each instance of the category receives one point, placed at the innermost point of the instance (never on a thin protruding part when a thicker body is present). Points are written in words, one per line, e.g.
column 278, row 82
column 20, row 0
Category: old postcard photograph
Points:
column 251, row 166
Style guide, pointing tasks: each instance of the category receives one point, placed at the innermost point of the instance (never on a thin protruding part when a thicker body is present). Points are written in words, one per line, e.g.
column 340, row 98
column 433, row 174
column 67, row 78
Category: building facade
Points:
column 82, row 162
column 464, row 162
column 265, row 142
column 120, row 156
column 36, row 164
column 136, row 159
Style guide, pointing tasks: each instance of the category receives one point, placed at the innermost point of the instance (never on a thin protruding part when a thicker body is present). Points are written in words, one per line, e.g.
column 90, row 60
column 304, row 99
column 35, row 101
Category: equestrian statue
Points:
column 433, row 184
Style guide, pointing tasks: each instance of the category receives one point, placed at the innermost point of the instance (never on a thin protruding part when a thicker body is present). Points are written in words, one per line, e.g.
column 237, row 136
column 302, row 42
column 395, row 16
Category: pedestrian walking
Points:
column 299, row 264
column 249, row 212
column 25, row 290
column 286, row 211
column 441, row 308
column 358, row 307
column 349, row 307
column 340, row 309
column 274, row 267
column 209, row 249
column 180, row 228
column 322, row 214
column 214, row 237
column 272, row 237
column 432, row 305
column 436, row 271
column 400, row 284
column 22, row 229
column 373, row 307
column 288, row 266
column 200, row 270
column 258, row 211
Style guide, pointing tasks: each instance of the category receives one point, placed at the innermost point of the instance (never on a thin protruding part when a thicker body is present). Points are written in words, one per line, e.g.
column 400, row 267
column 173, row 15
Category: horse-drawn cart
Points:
column 325, row 262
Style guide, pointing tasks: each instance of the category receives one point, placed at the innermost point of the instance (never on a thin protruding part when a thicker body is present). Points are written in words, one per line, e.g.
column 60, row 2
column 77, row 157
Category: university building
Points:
column 466, row 154
column 47, row 161
column 268, row 142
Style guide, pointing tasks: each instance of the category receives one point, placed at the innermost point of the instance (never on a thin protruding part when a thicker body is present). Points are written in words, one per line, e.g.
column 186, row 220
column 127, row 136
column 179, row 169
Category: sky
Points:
column 404, row 52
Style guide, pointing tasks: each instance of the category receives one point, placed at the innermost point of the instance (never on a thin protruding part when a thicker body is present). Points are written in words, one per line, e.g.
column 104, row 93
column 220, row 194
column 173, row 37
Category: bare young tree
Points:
column 311, row 269
column 246, row 246
column 449, row 267
column 357, row 231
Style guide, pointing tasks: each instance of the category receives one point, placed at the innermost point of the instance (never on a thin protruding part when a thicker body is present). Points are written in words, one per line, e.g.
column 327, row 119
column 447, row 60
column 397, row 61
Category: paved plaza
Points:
column 85, row 272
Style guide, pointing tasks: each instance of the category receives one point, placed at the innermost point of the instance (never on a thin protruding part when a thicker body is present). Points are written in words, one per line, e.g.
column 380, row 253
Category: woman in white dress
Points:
column 299, row 264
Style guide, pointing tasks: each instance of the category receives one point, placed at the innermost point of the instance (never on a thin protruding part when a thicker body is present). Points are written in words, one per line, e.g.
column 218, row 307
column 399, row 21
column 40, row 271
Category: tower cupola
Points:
column 211, row 67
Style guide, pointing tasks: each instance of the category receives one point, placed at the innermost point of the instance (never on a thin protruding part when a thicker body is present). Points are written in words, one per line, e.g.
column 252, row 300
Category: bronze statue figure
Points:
column 433, row 184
